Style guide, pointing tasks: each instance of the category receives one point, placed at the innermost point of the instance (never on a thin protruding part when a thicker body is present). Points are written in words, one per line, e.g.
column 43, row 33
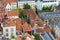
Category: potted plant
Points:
column 12, row 37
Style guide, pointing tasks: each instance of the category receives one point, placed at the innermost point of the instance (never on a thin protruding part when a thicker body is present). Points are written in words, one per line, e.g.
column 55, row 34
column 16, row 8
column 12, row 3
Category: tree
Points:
column 26, row 6
column 37, row 37
column 22, row 15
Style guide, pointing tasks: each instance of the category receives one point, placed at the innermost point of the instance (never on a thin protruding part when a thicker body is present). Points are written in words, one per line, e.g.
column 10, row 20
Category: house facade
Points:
column 9, row 31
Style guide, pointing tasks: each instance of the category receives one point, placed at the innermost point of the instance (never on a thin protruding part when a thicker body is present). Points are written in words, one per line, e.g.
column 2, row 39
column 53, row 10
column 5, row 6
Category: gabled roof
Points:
column 26, row 27
column 28, row 35
column 0, row 2
column 18, row 38
column 1, row 14
column 8, row 6
column 30, row 12
column 9, row 22
column 13, row 13
column 32, row 23
column 9, row 1
column 47, row 29
column 39, row 30
column 41, row 23
column 18, row 23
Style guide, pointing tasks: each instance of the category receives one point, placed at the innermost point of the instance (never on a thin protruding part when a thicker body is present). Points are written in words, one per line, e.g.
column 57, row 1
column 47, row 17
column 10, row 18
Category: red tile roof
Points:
column 26, row 34
column 18, row 38
column 26, row 27
column 46, row 29
column 9, row 1
column 32, row 23
column 30, row 12
column 58, row 38
column 13, row 13
column 41, row 23
column 1, row 14
column 18, row 23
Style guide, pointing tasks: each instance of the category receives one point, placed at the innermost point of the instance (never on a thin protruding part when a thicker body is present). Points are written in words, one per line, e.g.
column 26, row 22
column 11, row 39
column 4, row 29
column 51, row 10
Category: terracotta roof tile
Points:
column 30, row 12
column 9, row 1
column 13, row 13
column 0, row 2
column 26, row 26
column 26, row 34
column 40, row 22
column 32, row 23
column 11, row 22
column 39, row 30
column 58, row 38
column 47, row 29
column 18, row 23
column 1, row 14
column 18, row 38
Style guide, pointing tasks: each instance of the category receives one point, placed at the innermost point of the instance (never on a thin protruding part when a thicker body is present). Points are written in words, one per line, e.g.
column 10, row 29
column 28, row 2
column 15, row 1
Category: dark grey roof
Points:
column 58, row 25
column 51, row 14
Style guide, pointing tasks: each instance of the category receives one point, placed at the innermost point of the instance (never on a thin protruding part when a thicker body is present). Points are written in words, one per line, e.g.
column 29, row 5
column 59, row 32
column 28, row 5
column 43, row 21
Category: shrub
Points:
column 37, row 37
column 46, row 8
column 16, row 9
column 12, row 37
column 26, row 6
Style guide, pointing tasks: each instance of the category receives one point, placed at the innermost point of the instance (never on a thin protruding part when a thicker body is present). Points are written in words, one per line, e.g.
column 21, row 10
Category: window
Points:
column 6, row 30
column 6, row 34
column 12, row 31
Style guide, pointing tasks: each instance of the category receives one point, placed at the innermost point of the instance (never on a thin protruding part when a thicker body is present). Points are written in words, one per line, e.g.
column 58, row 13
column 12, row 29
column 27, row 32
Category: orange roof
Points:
column 9, row 1
column 18, row 23
column 26, row 26
column 26, row 34
column 47, row 29
column 18, row 38
column 11, row 22
column 32, row 23
column 1, row 14
column 30, row 12
column 13, row 13
column 40, row 22
column 39, row 30
column 0, row 2
column 58, row 38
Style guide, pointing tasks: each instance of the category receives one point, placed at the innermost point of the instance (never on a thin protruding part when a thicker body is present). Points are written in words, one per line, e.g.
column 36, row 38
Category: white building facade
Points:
column 9, row 31
column 21, row 3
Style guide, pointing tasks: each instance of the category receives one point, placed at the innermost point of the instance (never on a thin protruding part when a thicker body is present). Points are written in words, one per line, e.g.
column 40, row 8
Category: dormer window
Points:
column 8, row 7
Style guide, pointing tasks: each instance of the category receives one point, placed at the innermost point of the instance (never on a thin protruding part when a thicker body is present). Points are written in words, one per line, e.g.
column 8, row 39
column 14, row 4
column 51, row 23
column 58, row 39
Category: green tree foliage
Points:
column 16, row 9
column 37, row 37
column 26, row 6
column 12, row 37
column 44, row 8
column 21, row 15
